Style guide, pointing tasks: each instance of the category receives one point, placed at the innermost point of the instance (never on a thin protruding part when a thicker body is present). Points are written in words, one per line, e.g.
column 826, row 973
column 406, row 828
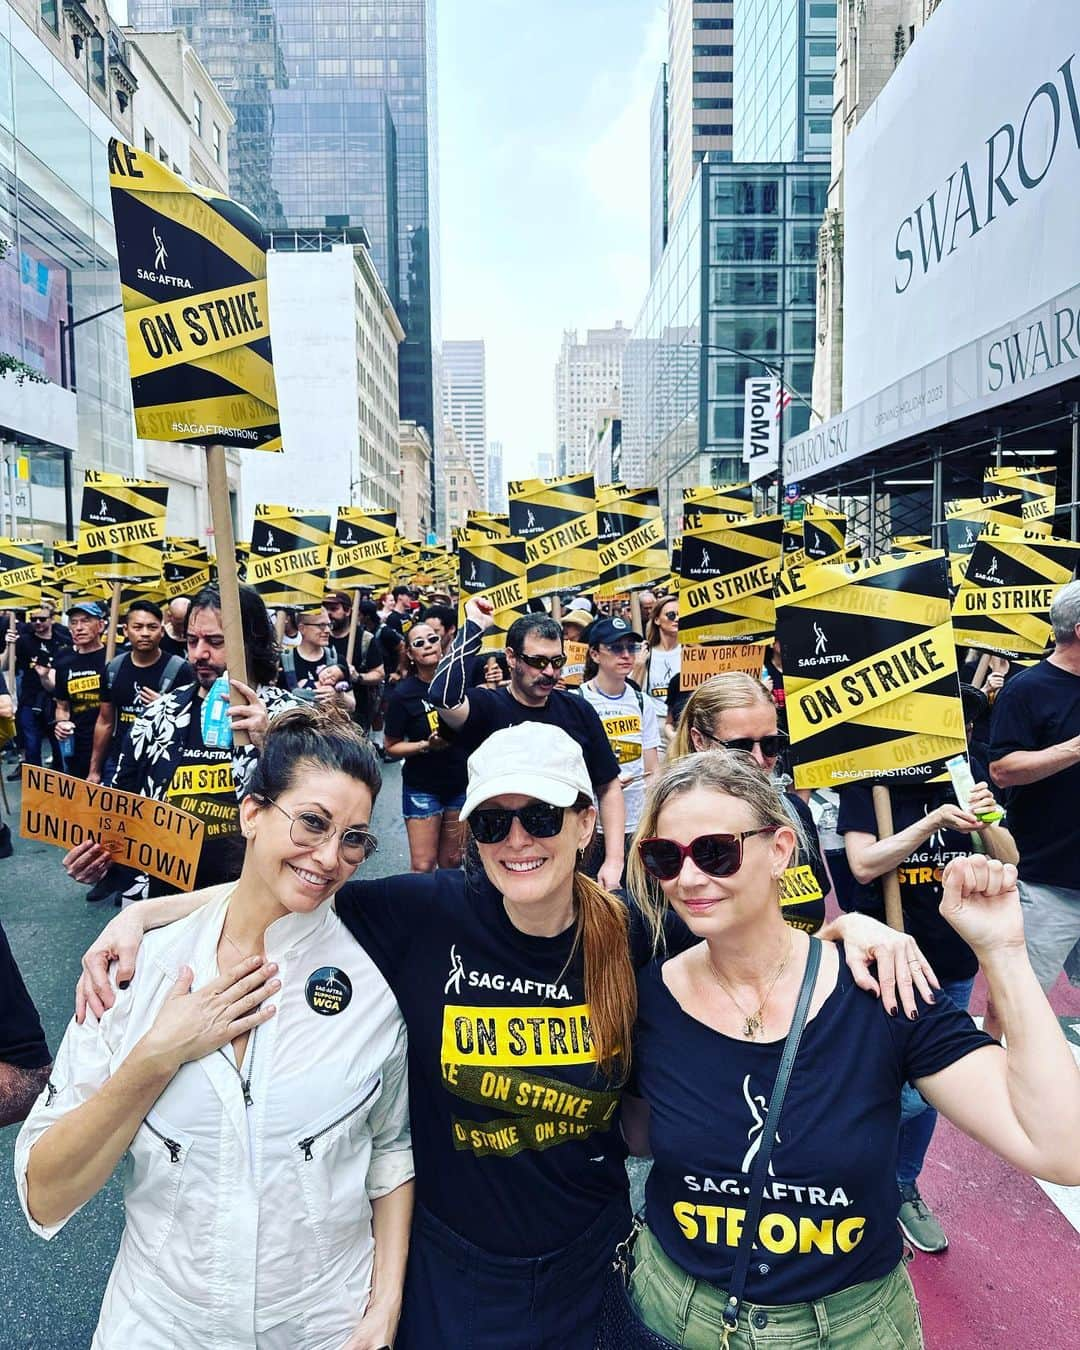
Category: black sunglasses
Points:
column 771, row 746
column 492, row 824
column 718, row 855
column 542, row 662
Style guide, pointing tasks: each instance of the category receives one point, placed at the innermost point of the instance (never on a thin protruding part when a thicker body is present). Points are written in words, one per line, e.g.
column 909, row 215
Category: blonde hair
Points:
column 720, row 771
column 733, row 689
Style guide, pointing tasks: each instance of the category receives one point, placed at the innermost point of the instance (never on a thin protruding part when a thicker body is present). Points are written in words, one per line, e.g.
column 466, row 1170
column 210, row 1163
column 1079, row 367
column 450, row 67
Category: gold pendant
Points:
column 752, row 1026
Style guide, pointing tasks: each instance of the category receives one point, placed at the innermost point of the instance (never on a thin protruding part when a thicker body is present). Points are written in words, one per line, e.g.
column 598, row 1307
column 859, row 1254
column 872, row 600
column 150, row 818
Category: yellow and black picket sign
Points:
column 243, row 557
column 21, row 563
column 362, row 554
column 65, row 563
column 1037, row 488
column 824, row 533
column 495, row 570
column 557, row 519
column 186, row 573
column 704, row 505
column 494, row 523
column 121, row 527
column 1002, row 508
column 911, row 543
column 792, row 552
column 289, row 553
column 1003, row 604
column 728, row 573
column 193, row 283
column 870, row 670
column 631, row 545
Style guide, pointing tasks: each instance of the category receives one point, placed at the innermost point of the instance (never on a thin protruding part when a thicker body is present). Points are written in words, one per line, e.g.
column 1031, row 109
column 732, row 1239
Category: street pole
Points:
column 67, row 344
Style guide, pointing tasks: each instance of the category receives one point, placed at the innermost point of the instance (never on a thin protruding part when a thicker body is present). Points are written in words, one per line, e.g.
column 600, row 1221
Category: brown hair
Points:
column 721, row 771
column 732, row 689
column 602, row 932
column 652, row 628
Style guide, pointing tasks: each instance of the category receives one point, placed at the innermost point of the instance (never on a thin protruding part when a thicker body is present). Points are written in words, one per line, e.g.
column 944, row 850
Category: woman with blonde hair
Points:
column 735, row 712
column 767, row 1086
column 516, row 978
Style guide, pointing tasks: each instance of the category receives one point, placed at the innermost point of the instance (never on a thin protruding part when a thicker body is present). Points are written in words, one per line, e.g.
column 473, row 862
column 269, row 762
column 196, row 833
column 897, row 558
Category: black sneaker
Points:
column 917, row 1221
column 16, row 773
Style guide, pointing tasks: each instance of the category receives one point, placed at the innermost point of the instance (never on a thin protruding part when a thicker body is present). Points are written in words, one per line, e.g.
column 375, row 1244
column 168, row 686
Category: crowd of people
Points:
column 365, row 1113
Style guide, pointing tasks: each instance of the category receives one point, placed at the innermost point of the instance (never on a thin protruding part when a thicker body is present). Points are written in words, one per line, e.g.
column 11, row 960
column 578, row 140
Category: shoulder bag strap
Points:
column 761, row 1163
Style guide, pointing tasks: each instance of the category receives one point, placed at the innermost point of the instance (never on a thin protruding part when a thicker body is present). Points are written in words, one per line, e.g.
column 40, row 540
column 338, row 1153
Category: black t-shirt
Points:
column 122, row 689
column 41, row 650
column 828, row 1220
column 805, row 884
column 203, row 784
column 22, row 1041
column 493, row 709
column 515, row 1139
column 676, row 700
column 79, row 681
column 173, row 646
column 401, row 623
column 307, row 672
column 919, row 873
column 411, row 717
column 1038, row 709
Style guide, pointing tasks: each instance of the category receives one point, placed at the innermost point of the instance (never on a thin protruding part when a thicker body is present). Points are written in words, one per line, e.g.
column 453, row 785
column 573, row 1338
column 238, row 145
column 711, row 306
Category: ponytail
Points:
column 603, row 932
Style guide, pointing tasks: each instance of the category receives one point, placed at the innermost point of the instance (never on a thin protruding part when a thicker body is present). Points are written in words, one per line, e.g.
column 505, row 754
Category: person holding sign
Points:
column 931, row 827
column 515, row 977
column 37, row 643
column 733, row 711
column 626, row 714
column 804, row 1178
column 268, row 1196
column 433, row 771
column 660, row 661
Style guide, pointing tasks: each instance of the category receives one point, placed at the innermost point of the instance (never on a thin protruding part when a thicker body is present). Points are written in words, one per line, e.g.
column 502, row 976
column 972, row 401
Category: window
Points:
column 750, row 332
column 148, row 143
column 739, row 243
column 753, row 197
column 819, row 126
column 802, row 243
column 50, row 15
column 163, row 155
column 823, row 11
column 714, row 24
column 802, row 285
column 712, row 77
column 712, row 102
column 808, row 196
column 216, row 130
column 822, row 49
column 727, row 422
column 725, row 49
column 820, row 88
column 97, row 60
column 196, row 115
column 745, row 286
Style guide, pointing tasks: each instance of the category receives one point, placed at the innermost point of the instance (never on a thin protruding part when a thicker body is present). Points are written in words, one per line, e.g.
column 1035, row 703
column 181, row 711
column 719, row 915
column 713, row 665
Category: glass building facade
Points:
column 658, row 172
column 785, row 56
column 735, row 288
column 336, row 127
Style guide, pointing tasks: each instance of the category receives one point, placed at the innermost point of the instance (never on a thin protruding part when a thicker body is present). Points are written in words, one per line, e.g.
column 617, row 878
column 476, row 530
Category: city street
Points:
column 980, row 1295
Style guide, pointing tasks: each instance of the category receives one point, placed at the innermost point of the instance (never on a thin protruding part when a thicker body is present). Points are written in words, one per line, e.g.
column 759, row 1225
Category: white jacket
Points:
column 248, row 1226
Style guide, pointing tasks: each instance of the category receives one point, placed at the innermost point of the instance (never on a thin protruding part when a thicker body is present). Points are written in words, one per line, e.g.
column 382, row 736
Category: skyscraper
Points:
column 336, row 127
column 785, row 56
column 464, row 402
column 658, row 172
column 699, row 73
column 588, row 379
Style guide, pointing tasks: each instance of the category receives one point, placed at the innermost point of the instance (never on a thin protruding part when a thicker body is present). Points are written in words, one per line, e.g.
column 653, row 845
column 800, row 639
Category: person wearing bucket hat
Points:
column 77, row 683
column 515, row 976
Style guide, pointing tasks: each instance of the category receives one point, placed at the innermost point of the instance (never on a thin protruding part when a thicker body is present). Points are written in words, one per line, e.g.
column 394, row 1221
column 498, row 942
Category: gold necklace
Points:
column 241, row 954
column 752, row 1022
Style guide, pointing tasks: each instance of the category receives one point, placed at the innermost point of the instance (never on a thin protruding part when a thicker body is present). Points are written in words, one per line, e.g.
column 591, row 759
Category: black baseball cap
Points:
column 603, row 632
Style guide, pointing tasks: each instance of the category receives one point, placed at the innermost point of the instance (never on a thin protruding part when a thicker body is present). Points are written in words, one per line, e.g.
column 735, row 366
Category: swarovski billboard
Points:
column 960, row 189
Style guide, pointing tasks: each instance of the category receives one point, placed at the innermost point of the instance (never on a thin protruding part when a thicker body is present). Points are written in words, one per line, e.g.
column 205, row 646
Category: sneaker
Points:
column 16, row 773
column 917, row 1222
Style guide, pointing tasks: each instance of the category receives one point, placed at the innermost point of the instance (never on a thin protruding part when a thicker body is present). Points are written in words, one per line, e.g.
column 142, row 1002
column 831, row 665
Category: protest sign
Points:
column 139, row 832
column 21, row 562
column 727, row 579
column 362, row 553
column 121, row 527
column 557, row 519
column 573, row 672
column 495, row 570
column 289, row 551
column 701, row 662
column 1003, row 603
column 631, row 545
column 824, row 533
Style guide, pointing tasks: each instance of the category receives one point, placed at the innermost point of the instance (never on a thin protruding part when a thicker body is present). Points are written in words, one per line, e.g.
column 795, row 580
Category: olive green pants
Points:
column 877, row 1315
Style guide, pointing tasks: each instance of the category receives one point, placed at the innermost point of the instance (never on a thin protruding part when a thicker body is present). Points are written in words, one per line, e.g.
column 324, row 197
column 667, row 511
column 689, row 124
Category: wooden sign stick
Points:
column 114, row 621
column 981, row 671
column 217, row 482
column 890, row 882
column 354, row 620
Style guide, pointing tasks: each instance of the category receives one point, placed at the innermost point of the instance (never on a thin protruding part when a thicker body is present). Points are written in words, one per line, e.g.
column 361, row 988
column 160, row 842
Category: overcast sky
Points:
column 544, row 163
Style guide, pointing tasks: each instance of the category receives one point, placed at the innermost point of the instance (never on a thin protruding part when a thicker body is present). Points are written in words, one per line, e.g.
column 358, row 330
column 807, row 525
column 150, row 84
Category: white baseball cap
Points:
column 530, row 760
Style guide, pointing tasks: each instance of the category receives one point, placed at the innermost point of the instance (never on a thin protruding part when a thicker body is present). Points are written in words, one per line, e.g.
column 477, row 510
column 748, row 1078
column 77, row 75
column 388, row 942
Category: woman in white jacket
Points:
column 268, row 1188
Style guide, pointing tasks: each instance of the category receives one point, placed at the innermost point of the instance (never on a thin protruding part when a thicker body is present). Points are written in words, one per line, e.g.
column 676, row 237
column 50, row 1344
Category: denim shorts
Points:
column 423, row 805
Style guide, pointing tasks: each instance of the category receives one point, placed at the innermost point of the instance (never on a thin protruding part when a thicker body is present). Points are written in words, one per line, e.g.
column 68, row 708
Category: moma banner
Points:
column 761, row 427
column 961, row 238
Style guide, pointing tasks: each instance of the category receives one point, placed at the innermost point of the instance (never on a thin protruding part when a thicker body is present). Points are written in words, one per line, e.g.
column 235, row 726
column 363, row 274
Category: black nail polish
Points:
column 892, row 1012
column 913, row 1014
column 123, row 984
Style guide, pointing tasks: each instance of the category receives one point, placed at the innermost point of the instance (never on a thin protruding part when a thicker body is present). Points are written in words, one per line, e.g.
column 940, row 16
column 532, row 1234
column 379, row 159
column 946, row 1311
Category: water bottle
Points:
column 216, row 726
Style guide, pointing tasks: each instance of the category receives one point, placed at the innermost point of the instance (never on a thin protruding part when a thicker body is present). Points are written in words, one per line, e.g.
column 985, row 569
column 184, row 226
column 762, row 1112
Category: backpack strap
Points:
column 173, row 666
column 288, row 668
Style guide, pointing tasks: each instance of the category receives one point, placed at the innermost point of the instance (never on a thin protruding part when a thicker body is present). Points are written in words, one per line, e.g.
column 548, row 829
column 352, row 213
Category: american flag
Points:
column 783, row 398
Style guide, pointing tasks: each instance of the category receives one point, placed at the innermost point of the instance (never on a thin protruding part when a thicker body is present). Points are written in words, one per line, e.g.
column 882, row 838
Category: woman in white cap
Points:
column 516, row 978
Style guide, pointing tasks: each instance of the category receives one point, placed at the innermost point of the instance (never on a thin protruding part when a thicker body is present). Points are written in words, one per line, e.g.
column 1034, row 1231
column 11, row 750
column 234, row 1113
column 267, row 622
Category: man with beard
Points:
column 534, row 654
column 166, row 755
column 131, row 683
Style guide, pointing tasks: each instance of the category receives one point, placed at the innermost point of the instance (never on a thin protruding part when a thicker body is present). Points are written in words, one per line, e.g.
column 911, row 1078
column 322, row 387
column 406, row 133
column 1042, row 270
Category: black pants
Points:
column 460, row 1297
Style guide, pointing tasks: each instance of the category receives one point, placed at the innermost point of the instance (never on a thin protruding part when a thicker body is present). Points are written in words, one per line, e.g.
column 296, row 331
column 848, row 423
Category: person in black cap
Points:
column 37, row 644
column 76, row 684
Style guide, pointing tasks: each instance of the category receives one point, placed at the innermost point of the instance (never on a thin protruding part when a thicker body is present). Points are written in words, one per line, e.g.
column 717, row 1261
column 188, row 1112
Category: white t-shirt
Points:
column 631, row 729
column 660, row 670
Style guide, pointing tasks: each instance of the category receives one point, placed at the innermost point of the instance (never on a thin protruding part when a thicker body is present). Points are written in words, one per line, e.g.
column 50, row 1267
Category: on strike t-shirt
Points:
column 805, row 883
column 920, row 873
column 1036, row 709
column 493, row 709
column 31, row 650
column 122, row 689
column 203, row 784
column 411, row 717
column 78, row 684
column 660, row 669
column 631, row 728
column 828, row 1220
column 515, row 1136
